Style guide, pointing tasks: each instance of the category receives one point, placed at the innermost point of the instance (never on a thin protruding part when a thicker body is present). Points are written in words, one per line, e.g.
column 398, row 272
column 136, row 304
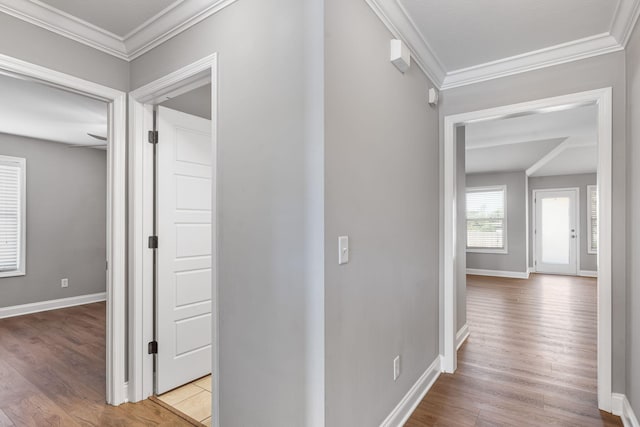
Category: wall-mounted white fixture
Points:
column 434, row 95
column 400, row 55
column 343, row 249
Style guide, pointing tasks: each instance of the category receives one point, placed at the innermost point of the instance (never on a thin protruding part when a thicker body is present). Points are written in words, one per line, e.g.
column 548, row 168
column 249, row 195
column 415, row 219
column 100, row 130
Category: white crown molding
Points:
column 624, row 20
column 168, row 23
column 397, row 20
column 547, row 57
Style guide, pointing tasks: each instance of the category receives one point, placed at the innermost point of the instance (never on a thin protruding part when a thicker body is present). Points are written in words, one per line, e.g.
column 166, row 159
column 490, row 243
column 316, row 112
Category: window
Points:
column 487, row 219
column 12, row 216
column 592, row 219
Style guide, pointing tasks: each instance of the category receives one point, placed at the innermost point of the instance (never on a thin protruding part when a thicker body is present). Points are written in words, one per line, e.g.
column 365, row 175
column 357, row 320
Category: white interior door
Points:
column 184, row 183
column 556, row 231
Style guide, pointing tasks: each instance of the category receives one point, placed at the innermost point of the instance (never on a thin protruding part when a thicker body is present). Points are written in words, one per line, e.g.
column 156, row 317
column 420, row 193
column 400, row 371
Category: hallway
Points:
column 530, row 359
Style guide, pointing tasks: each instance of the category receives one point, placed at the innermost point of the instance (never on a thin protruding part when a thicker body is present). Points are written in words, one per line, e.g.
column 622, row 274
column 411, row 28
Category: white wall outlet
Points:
column 396, row 368
column 343, row 249
column 64, row 283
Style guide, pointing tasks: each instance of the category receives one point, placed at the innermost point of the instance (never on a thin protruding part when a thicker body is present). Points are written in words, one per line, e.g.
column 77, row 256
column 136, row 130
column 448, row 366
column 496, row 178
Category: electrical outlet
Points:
column 64, row 283
column 396, row 368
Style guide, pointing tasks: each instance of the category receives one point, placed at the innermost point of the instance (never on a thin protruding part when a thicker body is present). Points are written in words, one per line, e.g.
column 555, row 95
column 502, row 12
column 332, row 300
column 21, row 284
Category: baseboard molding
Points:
column 621, row 407
column 462, row 336
column 498, row 273
column 36, row 307
column 401, row 413
column 587, row 273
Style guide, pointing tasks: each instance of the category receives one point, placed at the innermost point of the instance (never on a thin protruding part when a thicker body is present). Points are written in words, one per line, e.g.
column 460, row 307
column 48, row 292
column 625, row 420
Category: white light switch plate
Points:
column 343, row 249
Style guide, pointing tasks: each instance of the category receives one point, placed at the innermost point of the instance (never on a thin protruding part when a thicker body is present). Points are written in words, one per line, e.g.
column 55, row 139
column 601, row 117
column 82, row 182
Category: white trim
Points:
column 498, row 273
column 37, row 307
column 624, row 20
column 401, row 413
column 590, row 188
column 171, row 21
column 141, row 215
column 587, row 273
column 21, row 162
column 621, row 407
column 397, row 20
column 462, row 336
column 116, row 208
column 554, row 55
column 603, row 99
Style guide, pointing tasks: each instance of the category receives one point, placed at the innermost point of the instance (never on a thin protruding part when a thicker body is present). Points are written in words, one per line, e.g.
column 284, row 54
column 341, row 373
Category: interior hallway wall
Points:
column 271, row 201
column 587, row 74
column 66, row 221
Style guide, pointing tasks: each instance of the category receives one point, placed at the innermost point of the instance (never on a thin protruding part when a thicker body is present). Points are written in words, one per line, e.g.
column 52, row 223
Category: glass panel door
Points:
column 556, row 231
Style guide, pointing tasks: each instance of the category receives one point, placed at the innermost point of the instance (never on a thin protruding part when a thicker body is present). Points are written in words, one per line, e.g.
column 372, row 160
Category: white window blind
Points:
column 486, row 218
column 12, row 204
column 592, row 212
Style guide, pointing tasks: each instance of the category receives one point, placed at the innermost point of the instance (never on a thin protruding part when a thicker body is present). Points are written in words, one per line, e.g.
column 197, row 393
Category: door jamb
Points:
column 542, row 190
column 116, row 209
column 603, row 98
column 140, row 198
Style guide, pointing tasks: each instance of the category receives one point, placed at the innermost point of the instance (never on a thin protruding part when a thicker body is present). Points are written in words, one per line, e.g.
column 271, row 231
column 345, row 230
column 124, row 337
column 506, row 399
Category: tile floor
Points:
column 193, row 399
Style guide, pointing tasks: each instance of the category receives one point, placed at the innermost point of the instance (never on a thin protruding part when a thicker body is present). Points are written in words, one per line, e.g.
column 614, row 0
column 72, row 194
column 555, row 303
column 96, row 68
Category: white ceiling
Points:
column 557, row 143
column 467, row 41
column 109, row 15
column 37, row 111
column 123, row 28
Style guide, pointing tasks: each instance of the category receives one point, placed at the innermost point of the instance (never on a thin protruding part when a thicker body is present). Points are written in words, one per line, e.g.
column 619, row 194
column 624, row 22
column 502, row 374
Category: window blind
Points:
column 486, row 219
column 593, row 219
column 10, row 216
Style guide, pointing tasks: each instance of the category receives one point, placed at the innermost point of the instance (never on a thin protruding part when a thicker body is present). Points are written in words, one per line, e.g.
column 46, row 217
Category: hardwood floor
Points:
column 530, row 359
column 52, row 373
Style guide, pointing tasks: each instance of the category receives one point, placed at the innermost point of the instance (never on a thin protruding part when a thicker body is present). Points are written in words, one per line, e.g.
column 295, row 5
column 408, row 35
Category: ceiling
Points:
column 38, row 111
column 556, row 143
column 467, row 41
column 123, row 28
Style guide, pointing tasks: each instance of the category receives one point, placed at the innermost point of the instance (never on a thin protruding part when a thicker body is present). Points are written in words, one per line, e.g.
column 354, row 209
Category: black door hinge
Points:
column 153, row 136
column 153, row 242
column 153, row 347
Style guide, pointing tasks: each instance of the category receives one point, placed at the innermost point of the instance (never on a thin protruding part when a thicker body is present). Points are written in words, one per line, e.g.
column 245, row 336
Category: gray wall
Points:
column 633, row 242
column 66, row 221
column 588, row 261
column 461, row 228
column 270, row 193
column 381, row 179
column 42, row 47
column 515, row 260
column 196, row 102
column 593, row 73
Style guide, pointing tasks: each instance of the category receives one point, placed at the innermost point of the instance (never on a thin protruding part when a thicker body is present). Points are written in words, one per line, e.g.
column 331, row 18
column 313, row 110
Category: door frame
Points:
column 141, row 216
column 603, row 98
column 116, row 387
column 535, row 208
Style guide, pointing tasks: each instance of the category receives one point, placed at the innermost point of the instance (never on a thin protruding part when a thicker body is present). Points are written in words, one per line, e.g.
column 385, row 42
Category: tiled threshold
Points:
column 192, row 400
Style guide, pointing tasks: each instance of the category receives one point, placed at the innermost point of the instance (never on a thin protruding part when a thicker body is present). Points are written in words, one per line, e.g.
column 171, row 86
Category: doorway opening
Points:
column 83, row 167
column 494, row 222
column 173, row 187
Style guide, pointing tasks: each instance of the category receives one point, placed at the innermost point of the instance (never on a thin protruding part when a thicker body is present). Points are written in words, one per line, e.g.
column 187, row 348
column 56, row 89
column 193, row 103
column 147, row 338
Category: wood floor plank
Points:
column 52, row 373
column 530, row 360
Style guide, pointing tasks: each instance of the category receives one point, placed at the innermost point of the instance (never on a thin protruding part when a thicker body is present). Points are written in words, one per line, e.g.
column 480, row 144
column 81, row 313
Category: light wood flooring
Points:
column 530, row 359
column 52, row 373
column 192, row 400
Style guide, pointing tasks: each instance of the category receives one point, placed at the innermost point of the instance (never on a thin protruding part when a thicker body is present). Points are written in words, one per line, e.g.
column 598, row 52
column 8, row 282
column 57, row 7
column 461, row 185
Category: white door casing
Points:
column 556, row 231
column 184, row 262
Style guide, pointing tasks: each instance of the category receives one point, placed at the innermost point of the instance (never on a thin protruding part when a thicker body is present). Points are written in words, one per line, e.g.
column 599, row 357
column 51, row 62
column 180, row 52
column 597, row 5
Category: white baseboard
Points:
column 498, row 273
column 621, row 407
column 462, row 336
column 36, row 307
column 401, row 413
column 587, row 273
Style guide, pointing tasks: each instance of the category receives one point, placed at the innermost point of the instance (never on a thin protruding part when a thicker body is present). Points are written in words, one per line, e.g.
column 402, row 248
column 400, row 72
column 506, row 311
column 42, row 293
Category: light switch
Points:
column 343, row 249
